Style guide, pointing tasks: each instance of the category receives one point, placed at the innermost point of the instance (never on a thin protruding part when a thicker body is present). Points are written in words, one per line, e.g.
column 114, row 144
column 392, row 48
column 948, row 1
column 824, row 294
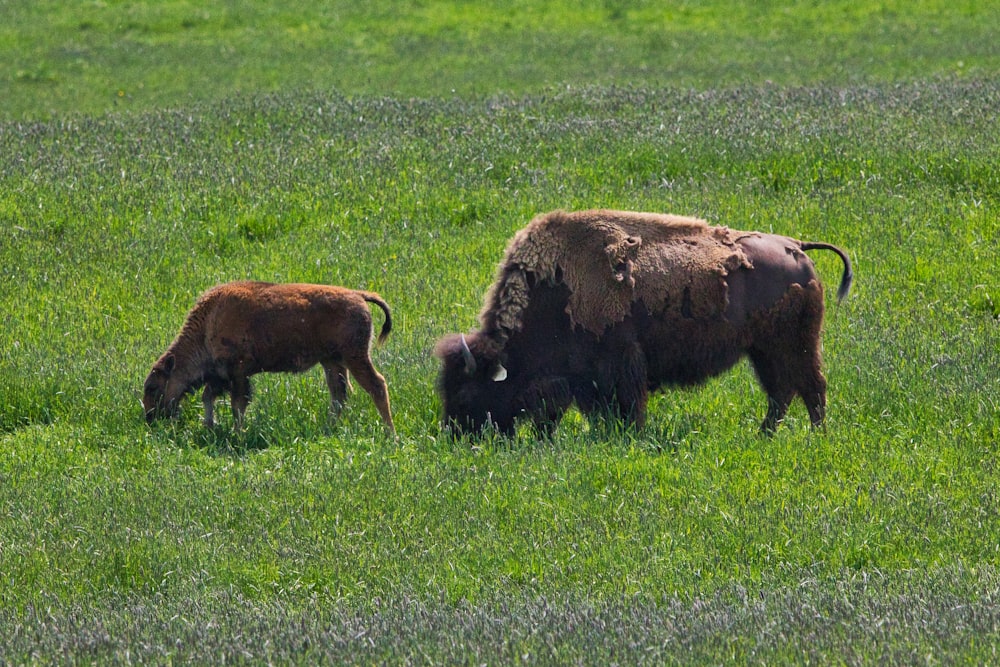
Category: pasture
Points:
column 397, row 151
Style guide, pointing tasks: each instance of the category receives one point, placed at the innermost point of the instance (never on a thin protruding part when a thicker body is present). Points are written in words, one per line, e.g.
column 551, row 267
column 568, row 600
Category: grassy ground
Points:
column 693, row 540
column 99, row 56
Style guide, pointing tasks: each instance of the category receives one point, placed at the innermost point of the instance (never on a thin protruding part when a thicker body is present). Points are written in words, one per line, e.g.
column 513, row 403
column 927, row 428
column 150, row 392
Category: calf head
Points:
column 162, row 391
column 472, row 385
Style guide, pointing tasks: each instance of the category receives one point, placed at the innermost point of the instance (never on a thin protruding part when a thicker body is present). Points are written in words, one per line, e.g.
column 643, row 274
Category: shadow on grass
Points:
column 224, row 439
column 262, row 432
column 677, row 432
column 218, row 440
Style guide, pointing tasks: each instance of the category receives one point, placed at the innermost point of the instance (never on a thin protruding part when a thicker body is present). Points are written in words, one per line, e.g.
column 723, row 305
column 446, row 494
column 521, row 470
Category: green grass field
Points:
column 151, row 150
column 93, row 57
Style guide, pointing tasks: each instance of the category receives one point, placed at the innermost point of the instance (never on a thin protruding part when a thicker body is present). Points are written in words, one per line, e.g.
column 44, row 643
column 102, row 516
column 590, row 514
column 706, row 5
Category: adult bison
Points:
column 599, row 307
column 238, row 329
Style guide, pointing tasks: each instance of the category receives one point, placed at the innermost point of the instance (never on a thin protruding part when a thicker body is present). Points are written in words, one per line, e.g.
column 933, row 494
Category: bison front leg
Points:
column 545, row 401
column 631, row 386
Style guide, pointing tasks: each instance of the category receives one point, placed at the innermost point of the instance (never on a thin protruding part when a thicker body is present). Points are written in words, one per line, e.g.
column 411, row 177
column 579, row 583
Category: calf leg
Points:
column 208, row 400
column 213, row 389
column 338, row 383
column 239, row 392
column 373, row 383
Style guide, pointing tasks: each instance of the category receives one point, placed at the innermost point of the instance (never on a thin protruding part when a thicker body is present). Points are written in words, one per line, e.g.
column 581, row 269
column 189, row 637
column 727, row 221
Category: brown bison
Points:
column 597, row 308
column 239, row 329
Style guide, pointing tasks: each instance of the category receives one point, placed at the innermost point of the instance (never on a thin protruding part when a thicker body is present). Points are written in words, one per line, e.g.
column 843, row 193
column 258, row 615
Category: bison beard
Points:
column 699, row 299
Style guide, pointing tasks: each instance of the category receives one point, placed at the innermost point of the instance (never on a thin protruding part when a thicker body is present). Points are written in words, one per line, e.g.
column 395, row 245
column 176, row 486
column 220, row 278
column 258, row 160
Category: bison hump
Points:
column 608, row 260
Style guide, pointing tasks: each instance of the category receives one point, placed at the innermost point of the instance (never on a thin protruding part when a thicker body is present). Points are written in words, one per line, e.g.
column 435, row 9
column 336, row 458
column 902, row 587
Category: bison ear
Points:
column 168, row 364
column 500, row 374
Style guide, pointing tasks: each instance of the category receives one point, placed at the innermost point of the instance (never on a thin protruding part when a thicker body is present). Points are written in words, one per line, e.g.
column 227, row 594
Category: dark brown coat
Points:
column 598, row 308
column 236, row 330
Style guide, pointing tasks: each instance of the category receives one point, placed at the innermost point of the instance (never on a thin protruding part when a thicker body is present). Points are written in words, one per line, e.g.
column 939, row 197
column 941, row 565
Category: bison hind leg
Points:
column 813, row 394
column 777, row 407
column 772, row 372
column 785, row 376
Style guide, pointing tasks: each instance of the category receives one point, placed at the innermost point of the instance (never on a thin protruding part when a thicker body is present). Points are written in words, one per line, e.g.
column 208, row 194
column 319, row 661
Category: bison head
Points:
column 161, row 395
column 472, row 385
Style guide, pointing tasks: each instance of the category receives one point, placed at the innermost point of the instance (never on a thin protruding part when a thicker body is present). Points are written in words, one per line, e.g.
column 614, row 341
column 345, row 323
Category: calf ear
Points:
column 168, row 364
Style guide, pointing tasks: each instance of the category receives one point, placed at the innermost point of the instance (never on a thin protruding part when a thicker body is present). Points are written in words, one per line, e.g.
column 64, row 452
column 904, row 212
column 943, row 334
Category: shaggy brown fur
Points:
column 609, row 259
column 239, row 329
column 599, row 307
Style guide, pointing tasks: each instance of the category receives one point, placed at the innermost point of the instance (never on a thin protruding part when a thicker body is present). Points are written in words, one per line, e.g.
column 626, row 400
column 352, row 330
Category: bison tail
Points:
column 848, row 276
column 371, row 297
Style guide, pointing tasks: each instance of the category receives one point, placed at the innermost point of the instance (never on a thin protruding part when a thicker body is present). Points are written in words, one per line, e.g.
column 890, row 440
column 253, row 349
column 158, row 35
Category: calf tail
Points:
column 372, row 297
column 847, row 278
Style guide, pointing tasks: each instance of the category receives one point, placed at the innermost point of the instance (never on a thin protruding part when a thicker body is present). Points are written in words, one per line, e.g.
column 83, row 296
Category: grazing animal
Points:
column 238, row 329
column 600, row 307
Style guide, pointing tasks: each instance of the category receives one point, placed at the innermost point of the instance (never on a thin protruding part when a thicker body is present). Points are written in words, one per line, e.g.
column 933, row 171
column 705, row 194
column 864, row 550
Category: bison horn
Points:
column 500, row 374
column 470, row 361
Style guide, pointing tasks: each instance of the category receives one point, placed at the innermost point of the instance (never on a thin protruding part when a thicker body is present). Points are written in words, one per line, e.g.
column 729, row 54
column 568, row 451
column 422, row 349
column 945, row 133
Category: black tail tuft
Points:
column 847, row 279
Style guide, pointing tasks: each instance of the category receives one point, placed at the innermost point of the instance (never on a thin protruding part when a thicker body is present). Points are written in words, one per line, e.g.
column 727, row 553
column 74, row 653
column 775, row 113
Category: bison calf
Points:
column 238, row 329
